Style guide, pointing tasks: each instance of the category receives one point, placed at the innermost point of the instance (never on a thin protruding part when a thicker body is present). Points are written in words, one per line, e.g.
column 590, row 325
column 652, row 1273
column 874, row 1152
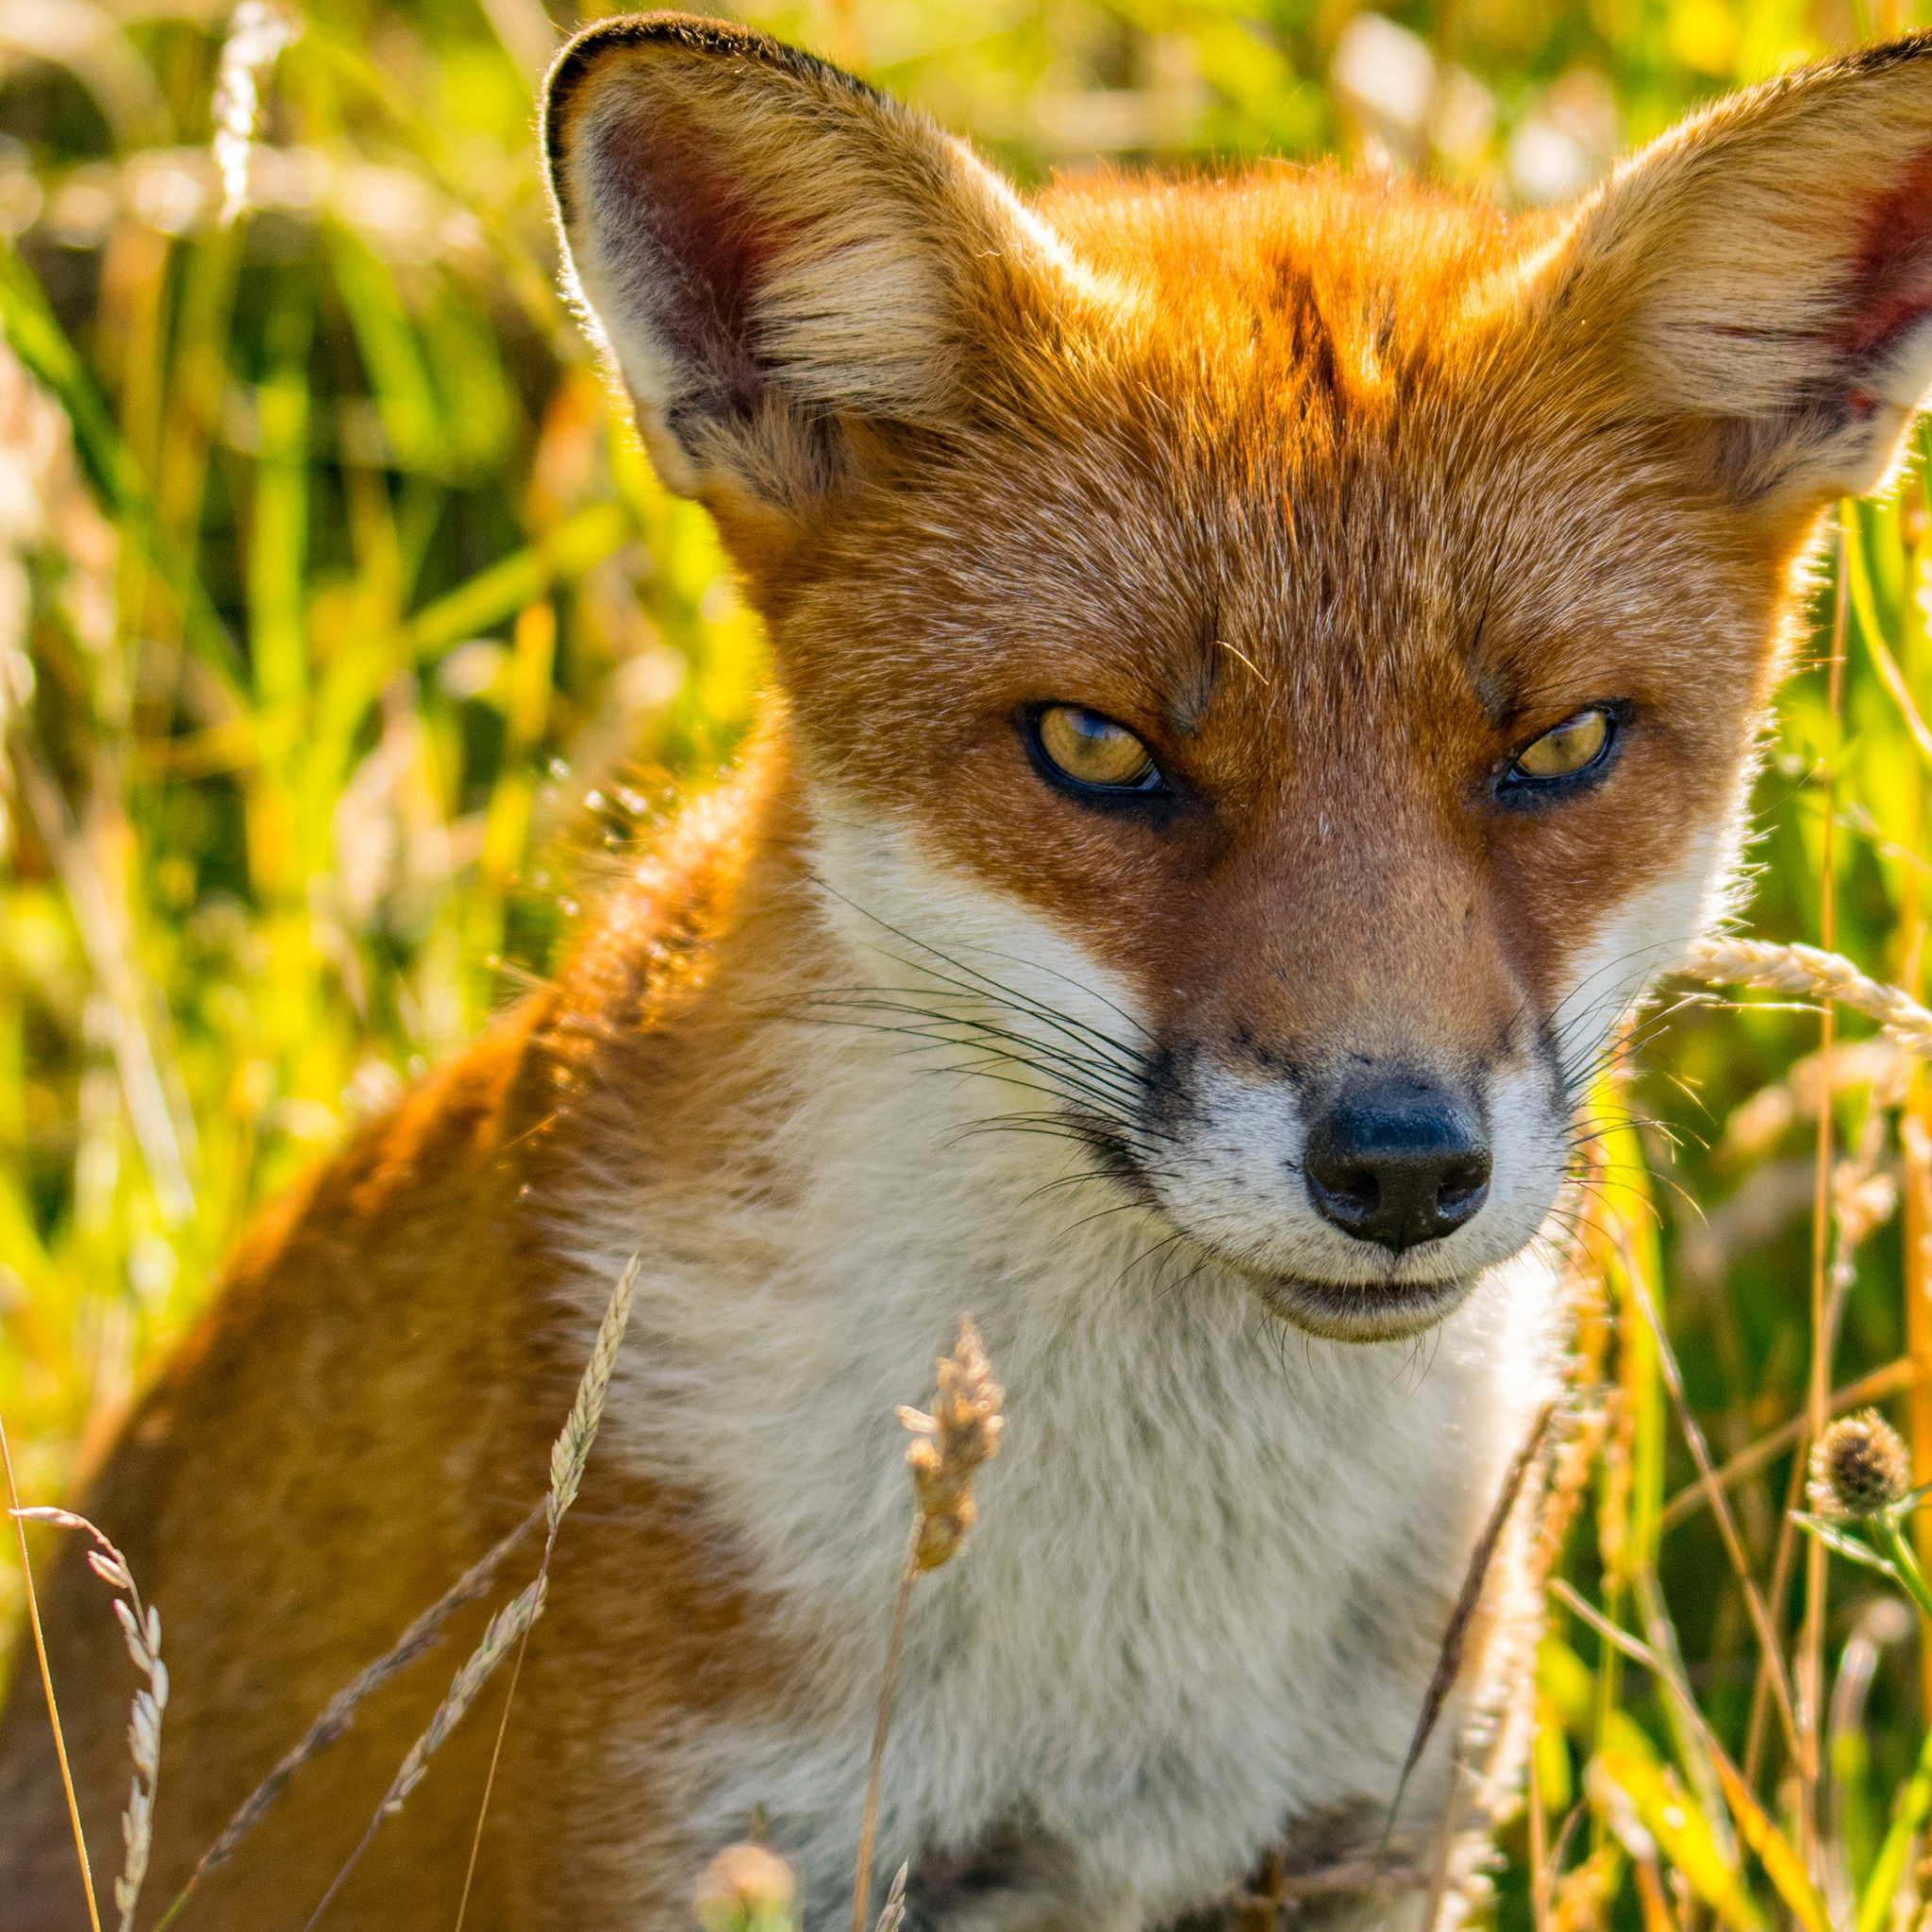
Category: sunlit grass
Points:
column 346, row 641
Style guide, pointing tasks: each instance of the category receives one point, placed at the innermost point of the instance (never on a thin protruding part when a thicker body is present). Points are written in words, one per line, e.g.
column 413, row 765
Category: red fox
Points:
column 1266, row 674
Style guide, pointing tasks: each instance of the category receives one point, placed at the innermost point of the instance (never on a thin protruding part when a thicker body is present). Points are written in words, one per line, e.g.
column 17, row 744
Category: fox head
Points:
column 1285, row 653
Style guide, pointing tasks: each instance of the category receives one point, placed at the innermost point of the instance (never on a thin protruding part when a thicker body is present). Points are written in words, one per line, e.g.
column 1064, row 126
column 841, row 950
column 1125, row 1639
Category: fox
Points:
column 1266, row 671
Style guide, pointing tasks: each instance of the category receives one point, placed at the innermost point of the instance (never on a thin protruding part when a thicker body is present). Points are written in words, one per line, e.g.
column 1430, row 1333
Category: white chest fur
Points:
column 1214, row 1559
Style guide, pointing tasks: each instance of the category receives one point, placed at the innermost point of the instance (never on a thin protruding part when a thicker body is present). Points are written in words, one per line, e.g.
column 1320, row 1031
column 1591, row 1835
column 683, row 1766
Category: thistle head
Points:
column 961, row 1433
column 1859, row 1467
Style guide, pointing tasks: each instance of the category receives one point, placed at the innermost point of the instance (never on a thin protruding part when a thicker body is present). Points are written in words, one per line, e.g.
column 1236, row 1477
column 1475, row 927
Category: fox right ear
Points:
column 776, row 258
column 1763, row 275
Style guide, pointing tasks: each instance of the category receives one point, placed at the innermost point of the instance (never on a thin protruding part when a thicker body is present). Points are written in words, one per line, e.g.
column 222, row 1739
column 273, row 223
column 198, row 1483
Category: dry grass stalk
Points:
column 1574, row 1462
column 33, row 1617
column 1782, row 1865
column 1446, row 1844
column 508, row 1627
column 141, row 1626
column 511, row 1627
column 1539, row 1838
column 1894, row 1377
column 1815, row 974
column 1456, row 1637
column 1808, row 1667
column 1614, row 1806
column 569, row 1457
column 1771, row 1660
column 1860, row 1199
column 1915, row 1142
column 340, row 1711
column 950, row 1446
column 256, row 34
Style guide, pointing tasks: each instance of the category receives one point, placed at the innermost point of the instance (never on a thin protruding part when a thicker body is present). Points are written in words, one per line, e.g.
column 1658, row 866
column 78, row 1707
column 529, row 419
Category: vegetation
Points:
column 346, row 642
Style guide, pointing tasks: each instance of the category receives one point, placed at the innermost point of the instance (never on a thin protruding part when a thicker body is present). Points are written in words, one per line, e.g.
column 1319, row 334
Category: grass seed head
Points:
column 1861, row 1201
column 961, row 1433
column 1859, row 1467
column 745, row 1888
column 140, row 1629
column 892, row 1913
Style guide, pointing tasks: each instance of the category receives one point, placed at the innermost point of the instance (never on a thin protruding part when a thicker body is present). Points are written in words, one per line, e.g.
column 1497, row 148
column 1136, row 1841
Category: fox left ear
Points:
column 788, row 271
column 1761, row 279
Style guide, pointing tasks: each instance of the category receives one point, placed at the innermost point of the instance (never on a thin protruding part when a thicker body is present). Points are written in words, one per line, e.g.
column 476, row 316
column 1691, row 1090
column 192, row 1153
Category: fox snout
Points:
column 1398, row 1161
column 1364, row 1205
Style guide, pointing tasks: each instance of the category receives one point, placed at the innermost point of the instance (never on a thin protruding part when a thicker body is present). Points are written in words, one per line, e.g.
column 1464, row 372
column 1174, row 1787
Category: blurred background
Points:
column 348, row 645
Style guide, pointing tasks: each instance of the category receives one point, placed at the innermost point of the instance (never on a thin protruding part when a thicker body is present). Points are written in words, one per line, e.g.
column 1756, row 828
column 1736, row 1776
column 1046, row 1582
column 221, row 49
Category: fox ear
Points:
column 1764, row 273
column 776, row 258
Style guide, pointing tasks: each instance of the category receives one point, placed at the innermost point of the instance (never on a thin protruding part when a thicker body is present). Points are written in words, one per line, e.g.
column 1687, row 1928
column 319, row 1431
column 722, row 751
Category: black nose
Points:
column 1398, row 1162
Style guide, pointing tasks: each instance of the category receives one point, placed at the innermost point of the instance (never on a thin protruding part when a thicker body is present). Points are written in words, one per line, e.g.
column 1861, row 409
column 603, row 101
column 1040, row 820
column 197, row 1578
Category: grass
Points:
column 345, row 641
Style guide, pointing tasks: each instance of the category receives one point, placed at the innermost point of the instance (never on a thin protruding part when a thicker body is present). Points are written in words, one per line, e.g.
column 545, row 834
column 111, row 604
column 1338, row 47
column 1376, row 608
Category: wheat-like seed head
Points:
column 505, row 1628
column 1861, row 1201
column 572, row 1449
column 511, row 1624
column 340, row 1711
column 961, row 1433
column 1797, row 969
column 141, row 1630
column 257, row 33
column 892, row 1913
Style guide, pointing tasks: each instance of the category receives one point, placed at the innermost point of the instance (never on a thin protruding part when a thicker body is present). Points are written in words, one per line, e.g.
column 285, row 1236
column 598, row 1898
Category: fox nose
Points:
column 1398, row 1162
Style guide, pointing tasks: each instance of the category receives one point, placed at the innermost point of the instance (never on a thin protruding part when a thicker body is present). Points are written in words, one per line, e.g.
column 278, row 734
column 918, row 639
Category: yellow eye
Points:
column 1093, row 750
column 1573, row 746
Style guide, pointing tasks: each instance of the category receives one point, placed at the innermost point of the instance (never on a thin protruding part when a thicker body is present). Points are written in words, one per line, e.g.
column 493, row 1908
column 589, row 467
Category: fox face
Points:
column 1272, row 667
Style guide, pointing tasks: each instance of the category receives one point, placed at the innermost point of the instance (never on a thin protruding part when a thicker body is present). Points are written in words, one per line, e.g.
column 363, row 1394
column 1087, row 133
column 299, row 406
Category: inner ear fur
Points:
column 1761, row 280
column 786, row 268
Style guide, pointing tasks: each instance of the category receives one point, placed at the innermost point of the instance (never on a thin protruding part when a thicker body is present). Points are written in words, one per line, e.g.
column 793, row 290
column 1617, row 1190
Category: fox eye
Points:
column 1566, row 751
column 1090, row 750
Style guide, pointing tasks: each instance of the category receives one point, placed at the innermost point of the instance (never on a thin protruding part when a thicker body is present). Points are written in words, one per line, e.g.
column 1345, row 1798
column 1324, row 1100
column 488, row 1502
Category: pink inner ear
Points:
column 705, row 250
column 1888, row 280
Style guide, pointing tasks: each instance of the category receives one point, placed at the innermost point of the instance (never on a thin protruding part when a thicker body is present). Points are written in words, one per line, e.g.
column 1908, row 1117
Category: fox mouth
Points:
column 1361, row 1311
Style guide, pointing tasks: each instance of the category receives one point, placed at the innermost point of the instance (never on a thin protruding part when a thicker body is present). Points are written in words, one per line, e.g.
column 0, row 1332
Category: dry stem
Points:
column 510, row 1626
column 1915, row 1141
column 950, row 1446
column 869, row 1822
column 33, row 1617
column 568, row 1456
column 1896, row 1375
column 340, row 1711
column 1728, row 1530
column 1810, row 1670
column 1456, row 1637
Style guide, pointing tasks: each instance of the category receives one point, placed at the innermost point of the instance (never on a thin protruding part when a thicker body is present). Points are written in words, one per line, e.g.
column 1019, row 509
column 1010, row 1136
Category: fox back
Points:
column 1265, row 677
